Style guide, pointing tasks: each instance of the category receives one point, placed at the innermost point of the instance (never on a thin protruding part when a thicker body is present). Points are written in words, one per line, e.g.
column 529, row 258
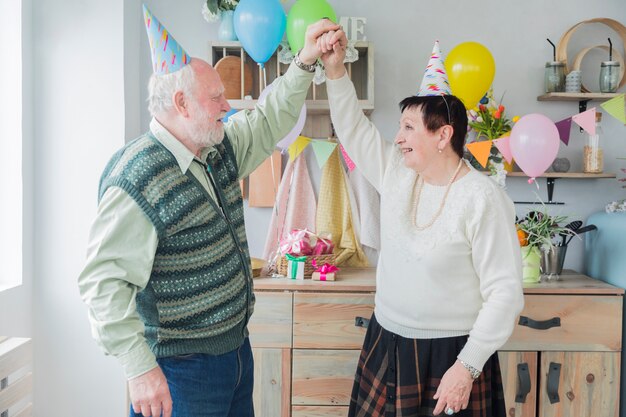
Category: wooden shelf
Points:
column 581, row 98
column 576, row 96
column 551, row 178
column 577, row 175
column 361, row 72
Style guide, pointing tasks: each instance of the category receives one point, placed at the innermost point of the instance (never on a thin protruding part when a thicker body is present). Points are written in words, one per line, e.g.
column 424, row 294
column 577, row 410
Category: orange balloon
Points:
column 471, row 69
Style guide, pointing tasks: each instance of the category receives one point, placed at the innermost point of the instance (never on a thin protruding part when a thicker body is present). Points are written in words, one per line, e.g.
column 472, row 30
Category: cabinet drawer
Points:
column 326, row 321
column 323, row 377
column 587, row 323
column 270, row 324
column 324, row 411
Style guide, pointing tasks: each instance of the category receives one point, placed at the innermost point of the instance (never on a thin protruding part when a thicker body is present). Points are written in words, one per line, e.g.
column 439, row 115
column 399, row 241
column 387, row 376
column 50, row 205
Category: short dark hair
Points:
column 438, row 111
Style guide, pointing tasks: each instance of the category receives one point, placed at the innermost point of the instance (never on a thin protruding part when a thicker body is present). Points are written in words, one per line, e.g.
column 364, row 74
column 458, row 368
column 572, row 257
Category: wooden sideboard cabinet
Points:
column 563, row 358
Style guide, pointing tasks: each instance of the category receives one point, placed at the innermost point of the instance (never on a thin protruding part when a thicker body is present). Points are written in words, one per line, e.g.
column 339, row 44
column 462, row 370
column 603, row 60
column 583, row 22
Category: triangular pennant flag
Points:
column 322, row 150
column 167, row 54
column 564, row 127
column 346, row 158
column 481, row 151
column 435, row 80
column 616, row 108
column 298, row 146
column 504, row 146
column 586, row 120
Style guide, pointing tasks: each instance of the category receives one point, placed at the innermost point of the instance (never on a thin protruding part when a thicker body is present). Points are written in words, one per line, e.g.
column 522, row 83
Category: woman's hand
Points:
column 454, row 389
column 333, row 45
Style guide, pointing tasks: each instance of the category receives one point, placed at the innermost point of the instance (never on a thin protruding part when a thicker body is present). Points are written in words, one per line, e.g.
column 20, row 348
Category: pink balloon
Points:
column 296, row 130
column 534, row 143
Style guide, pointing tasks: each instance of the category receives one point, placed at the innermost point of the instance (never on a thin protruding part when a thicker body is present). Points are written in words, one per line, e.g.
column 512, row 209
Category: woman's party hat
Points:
column 435, row 81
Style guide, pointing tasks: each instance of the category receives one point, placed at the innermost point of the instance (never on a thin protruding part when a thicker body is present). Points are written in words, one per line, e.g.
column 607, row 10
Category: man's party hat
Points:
column 167, row 55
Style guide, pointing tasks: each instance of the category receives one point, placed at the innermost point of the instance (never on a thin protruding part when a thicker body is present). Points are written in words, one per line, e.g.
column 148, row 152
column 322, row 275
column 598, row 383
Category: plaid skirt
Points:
column 397, row 377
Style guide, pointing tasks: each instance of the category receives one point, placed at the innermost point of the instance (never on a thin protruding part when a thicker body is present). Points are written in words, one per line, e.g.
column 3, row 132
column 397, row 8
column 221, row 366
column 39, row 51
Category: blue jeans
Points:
column 204, row 385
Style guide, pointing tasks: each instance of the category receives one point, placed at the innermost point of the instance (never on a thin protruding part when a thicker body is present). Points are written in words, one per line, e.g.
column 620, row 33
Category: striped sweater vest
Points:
column 199, row 296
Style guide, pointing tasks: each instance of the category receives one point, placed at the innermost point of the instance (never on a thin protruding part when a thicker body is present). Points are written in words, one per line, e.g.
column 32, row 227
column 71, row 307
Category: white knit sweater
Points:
column 463, row 274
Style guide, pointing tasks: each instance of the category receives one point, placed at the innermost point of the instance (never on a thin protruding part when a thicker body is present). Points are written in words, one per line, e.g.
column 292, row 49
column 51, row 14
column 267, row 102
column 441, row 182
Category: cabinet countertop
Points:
column 364, row 280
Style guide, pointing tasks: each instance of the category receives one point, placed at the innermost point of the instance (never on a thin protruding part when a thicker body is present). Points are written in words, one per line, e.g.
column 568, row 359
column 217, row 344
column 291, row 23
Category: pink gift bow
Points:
column 292, row 240
column 324, row 269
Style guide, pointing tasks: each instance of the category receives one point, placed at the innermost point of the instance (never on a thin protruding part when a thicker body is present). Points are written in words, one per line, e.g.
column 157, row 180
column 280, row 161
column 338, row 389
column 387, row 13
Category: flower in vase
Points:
column 212, row 9
column 489, row 121
column 619, row 205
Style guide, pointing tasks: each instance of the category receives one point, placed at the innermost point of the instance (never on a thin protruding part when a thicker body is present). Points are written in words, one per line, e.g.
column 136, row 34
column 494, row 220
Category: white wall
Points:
column 79, row 123
column 84, row 67
column 403, row 32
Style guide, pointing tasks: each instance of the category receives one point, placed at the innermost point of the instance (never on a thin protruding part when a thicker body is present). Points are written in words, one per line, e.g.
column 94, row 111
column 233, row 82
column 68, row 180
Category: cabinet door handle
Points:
column 361, row 322
column 554, row 374
column 539, row 325
column 523, row 383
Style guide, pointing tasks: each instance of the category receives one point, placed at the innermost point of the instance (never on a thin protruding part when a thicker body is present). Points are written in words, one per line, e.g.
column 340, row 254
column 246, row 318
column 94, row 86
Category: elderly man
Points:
column 167, row 280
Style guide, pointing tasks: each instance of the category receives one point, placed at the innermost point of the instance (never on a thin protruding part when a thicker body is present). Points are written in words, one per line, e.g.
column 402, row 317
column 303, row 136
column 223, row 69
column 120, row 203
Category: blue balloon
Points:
column 260, row 26
column 228, row 114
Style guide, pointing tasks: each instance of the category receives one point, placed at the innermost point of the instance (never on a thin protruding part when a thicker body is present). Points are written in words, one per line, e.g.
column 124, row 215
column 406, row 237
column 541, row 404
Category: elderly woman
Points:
column 448, row 284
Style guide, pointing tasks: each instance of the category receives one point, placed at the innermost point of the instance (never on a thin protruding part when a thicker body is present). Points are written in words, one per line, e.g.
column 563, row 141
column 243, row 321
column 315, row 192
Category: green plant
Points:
column 539, row 228
column 212, row 9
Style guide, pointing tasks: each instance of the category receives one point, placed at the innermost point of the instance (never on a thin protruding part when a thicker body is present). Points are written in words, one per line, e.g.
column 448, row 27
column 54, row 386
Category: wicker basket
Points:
column 281, row 263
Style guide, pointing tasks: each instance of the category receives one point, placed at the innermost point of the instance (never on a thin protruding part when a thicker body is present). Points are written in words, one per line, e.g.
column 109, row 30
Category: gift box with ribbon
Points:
column 295, row 266
column 324, row 272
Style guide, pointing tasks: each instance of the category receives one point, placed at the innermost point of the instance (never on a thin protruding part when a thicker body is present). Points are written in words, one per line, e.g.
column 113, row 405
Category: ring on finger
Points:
column 449, row 411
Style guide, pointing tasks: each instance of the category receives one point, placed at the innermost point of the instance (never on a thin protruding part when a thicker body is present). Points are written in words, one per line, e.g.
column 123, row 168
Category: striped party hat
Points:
column 167, row 55
column 435, row 81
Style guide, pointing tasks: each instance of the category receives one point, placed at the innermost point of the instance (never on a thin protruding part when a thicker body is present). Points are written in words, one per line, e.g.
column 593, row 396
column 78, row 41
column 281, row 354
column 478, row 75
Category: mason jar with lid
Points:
column 555, row 77
column 593, row 155
column 609, row 76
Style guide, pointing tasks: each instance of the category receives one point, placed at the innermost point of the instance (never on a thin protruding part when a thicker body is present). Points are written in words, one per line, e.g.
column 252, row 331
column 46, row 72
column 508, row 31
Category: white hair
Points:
column 161, row 89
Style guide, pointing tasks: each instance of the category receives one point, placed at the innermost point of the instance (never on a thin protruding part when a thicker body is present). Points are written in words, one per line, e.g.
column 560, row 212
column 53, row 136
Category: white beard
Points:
column 201, row 131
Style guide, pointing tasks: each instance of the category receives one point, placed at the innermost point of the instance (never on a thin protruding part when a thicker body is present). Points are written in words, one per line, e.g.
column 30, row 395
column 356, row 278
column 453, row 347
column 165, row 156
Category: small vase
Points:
column 226, row 31
column 531, row 261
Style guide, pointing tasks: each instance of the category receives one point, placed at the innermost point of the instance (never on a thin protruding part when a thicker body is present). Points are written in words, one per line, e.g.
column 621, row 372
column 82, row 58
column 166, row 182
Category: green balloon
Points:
column 302, row 14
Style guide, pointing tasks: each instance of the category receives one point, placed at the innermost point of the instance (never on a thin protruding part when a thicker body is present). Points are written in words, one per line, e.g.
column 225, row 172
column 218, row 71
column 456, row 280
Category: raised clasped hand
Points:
column 311, row 51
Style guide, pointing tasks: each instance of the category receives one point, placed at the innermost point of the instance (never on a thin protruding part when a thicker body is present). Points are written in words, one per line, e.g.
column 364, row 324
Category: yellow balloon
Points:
column 471, row 68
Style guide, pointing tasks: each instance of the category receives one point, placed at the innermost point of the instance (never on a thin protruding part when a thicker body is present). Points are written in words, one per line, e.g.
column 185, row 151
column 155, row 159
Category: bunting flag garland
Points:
column 322, row 150
column 504, row 146
column 298, row 146
column 616, row 108
column 586, row 120
column 564, row 127
column 350, row 164
column 481, row 151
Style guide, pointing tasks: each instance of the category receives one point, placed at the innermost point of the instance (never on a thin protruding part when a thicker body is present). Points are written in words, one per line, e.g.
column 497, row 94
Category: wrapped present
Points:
column 298, row 242
column 323, row 245
column 325, row 272
column 295, row 266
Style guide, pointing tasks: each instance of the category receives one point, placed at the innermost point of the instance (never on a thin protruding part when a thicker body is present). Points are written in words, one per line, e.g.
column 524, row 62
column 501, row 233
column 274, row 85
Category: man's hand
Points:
column 150, row 394
column 310, row 52
column 333, row 45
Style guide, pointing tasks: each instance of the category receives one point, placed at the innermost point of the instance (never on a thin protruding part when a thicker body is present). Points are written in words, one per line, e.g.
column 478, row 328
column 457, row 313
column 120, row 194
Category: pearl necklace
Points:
column 419, row 182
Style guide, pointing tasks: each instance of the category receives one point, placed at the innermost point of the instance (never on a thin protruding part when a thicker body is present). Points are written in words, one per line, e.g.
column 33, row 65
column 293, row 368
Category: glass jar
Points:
column 555, row 77
column 609, row 76
column 593, row 156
